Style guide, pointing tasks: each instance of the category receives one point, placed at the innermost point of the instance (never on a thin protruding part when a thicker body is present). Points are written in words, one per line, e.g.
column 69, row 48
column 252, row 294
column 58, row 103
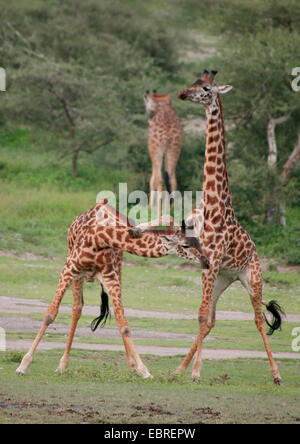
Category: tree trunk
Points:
column 276, row 208
column 291, row 162
column 75, row 162
column 285, row 177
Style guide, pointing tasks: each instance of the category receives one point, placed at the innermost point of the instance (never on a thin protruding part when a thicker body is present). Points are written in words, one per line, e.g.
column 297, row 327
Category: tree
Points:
column 80, row 70
column 259, row 67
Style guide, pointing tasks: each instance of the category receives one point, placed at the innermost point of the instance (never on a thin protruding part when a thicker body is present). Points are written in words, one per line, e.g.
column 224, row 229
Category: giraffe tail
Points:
column 277, row 312
column 167, row 181
column 104, row 312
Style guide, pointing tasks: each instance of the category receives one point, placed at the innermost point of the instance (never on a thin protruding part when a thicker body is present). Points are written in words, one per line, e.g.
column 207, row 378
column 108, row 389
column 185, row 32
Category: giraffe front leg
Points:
column 66, row 277
column 221, row 284
column 76, row 313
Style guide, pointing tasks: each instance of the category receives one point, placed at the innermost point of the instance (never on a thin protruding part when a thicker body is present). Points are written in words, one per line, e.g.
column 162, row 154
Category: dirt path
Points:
column 24, row 344
column 25, row 324
column 18, row 305
column 20, row 324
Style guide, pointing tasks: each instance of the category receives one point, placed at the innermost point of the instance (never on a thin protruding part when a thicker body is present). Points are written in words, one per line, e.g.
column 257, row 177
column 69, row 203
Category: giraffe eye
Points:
column 206, row 88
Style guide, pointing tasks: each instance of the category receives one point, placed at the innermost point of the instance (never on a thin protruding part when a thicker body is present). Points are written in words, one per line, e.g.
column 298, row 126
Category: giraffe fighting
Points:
column 150, row 214
column 95, row 252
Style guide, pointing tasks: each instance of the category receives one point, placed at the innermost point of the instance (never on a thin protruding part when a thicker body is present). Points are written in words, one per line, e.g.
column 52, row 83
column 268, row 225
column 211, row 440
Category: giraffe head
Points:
column 203, row 91
column 184, row 246
column 152, row 101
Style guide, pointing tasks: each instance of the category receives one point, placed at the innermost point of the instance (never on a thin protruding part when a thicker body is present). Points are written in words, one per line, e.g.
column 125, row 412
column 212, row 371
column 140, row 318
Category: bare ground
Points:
column 18, row 305
column 27, row 306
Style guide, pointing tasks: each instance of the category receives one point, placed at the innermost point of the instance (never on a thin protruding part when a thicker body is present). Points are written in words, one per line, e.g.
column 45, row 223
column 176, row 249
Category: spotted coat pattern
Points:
column 231, row 252
column 164, row 140
column 95, row 252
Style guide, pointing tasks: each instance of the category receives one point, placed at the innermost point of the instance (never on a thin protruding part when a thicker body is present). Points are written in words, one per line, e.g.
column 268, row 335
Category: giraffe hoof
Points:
column 18, row 373
column 278, row 381
column 144, row 373
column 195, row 379
column 147, row 376
column 178, row 371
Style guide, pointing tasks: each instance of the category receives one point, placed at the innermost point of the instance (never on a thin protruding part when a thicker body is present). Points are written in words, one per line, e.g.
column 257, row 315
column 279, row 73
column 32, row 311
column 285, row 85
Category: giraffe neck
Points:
column 215, row 185
column 149, row 244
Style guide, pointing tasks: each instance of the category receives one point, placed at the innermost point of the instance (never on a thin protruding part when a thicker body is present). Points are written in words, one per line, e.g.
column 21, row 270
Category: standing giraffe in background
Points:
column 231, row 253
column 164, row 143
column 95, row 254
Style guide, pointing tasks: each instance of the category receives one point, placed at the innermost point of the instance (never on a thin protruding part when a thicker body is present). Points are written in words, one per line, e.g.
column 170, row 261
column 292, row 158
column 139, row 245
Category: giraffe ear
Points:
column 183, row 227
column 224, row 89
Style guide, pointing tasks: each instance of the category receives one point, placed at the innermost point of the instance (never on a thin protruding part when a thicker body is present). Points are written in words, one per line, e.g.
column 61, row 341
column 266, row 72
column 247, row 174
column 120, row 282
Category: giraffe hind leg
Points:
column 68, row 274
column 76, row 313
column 253, row 282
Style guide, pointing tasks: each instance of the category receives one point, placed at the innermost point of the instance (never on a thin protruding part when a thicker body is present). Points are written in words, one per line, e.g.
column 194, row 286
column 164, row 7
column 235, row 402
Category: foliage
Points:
column 69, row 89
column 77, row 73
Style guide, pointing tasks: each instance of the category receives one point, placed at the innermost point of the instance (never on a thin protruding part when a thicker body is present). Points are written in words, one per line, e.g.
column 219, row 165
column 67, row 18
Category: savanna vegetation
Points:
column 72, row 119
column 72, row 123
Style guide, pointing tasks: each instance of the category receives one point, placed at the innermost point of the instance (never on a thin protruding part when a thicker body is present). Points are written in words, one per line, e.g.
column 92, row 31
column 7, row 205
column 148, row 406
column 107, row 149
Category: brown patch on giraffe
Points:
column 212, row 149
column 211, row 159
column 211, row 185
column 216, row 219
column 212, row 200
column 210, row 170
column 209, row 240
column 208, row 228
column 212, row 129
column 119, row 235
column 86, row 254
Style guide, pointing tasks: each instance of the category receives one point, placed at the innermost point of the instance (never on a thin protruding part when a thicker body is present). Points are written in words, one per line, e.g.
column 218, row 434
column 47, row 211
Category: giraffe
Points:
column 164, row 142
column 95, row 254
column 231, row 252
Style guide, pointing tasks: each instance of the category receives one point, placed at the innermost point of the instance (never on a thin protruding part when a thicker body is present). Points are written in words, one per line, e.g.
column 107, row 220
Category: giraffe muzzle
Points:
column 182, row 96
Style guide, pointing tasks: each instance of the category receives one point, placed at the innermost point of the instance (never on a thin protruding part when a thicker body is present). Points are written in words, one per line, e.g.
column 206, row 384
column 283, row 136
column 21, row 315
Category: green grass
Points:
column 159, row 285
column 39, row 196
column 98, row 388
